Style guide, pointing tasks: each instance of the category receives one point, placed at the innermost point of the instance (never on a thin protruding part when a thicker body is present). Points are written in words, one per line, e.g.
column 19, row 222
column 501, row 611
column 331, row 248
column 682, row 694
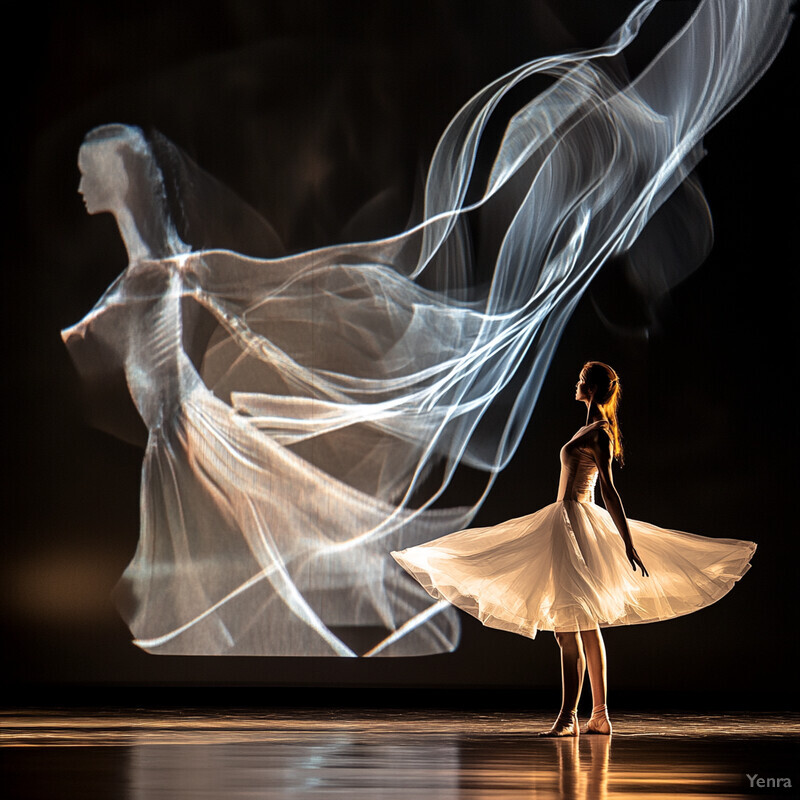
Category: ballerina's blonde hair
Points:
column 605, row 382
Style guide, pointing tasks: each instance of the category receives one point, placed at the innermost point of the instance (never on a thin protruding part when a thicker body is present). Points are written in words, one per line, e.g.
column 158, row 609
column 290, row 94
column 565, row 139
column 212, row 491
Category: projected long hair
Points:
column 605, row 382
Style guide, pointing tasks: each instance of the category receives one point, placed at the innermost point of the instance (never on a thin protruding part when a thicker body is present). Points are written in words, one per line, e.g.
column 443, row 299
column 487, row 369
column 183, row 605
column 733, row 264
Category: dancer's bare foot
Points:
column 566, row 724
column 599, row 723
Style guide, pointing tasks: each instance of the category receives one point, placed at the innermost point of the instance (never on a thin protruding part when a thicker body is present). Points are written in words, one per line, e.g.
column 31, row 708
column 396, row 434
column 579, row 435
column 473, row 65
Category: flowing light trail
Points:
column 287, row 441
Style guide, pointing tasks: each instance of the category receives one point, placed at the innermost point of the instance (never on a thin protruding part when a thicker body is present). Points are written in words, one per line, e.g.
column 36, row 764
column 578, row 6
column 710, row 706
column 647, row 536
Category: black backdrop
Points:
column 352, row 97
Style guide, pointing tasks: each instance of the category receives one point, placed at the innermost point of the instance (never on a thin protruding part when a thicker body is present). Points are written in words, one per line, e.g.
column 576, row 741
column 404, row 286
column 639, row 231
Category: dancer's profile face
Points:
column 103, row 180
column 582, row 390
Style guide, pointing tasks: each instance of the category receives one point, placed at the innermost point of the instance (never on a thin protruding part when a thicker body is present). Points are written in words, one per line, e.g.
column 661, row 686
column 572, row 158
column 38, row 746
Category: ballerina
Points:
column 572, row 567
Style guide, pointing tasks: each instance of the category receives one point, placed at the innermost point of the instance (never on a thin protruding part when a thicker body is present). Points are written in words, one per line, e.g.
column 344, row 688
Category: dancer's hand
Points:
column 633, row 557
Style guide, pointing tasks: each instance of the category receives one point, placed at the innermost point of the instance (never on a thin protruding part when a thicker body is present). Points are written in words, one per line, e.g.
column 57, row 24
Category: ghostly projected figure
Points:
column 305, row 413
column 244, row 547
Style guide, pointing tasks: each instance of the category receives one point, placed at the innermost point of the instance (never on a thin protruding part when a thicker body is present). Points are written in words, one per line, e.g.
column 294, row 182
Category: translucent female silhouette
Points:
column 245, row 547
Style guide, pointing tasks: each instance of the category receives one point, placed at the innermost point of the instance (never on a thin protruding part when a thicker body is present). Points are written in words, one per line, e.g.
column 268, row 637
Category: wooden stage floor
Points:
column 355, row 754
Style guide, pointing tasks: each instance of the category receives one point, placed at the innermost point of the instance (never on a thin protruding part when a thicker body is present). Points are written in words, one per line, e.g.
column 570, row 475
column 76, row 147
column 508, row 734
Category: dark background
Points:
column 308, row 110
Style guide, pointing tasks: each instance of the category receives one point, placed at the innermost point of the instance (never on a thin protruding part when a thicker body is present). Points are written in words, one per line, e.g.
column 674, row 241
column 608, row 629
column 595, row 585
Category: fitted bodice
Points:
column 578, row 467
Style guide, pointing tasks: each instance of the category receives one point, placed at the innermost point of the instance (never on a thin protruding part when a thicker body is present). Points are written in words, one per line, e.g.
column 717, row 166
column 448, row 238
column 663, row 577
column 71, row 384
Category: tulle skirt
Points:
column 564, row 568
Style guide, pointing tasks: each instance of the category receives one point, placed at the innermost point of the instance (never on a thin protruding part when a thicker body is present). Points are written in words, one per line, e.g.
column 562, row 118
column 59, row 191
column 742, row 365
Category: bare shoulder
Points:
column 599, row 438
column 598, row 430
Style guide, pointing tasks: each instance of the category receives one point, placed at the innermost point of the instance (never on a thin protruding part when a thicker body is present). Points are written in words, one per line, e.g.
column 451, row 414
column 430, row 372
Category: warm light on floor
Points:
column 388, row 753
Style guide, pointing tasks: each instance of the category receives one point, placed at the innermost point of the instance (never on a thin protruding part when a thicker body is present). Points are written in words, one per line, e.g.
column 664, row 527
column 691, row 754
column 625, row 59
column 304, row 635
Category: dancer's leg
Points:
column 573, row 666
column 595, row 652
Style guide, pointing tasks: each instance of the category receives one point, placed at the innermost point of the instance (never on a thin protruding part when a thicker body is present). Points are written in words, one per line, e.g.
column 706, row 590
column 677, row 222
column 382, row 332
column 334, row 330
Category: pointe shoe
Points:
column 566, row 724
column 599, row 723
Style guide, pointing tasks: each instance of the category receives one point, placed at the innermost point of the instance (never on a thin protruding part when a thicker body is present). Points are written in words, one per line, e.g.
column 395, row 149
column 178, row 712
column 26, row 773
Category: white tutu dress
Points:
column 564, row 568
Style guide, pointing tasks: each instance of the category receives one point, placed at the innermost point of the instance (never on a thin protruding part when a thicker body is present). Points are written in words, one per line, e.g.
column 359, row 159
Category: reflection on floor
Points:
column 402, row 754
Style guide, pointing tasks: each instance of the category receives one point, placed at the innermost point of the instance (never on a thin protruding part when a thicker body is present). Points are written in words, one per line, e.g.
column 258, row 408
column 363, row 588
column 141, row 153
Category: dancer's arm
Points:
column 602, row 452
